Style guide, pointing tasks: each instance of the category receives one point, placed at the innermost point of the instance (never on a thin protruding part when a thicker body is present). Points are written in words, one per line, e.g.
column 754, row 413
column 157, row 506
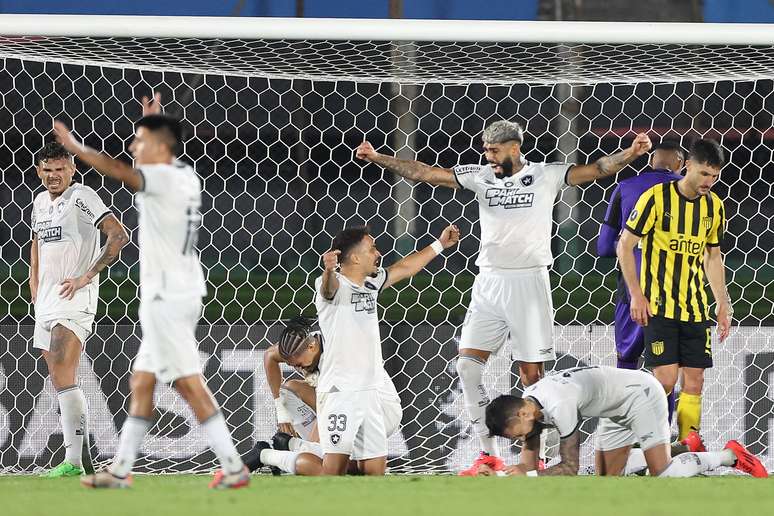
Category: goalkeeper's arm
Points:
column 271, row 366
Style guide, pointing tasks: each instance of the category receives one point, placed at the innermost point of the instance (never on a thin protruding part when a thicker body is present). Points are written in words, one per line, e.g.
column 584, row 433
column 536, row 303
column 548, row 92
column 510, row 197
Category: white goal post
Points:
column 274, row 108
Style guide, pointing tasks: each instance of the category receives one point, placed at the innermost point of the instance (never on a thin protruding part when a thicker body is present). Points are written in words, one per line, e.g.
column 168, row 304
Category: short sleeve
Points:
column 559, row 407
column 718, row 229
column 466, row 175
column 643, row 217
column 156, row 179
column 90, row 207
column 319, row 299
column 377, row 282
column 557, row 172
column 613, row 214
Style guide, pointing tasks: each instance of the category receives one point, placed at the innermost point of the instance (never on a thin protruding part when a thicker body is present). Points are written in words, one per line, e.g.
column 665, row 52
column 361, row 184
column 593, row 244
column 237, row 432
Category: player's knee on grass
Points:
column 335, row 464
column 309, row 465
column 373, row 467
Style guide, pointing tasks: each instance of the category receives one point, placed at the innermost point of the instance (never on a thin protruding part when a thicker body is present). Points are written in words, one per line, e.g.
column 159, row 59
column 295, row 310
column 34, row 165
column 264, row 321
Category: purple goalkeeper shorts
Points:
column 629, row 340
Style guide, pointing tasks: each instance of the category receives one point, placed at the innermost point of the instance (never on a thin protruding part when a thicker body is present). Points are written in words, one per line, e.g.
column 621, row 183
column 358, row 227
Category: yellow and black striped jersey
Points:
column 675, row 231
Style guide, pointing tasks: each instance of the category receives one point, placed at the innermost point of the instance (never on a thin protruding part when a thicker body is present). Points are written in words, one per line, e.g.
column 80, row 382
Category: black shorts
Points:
column 668, row 341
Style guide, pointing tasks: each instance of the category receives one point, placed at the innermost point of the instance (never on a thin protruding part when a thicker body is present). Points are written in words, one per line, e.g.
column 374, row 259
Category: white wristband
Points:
column 532, row 473
column 283, row 416
column 437, row 247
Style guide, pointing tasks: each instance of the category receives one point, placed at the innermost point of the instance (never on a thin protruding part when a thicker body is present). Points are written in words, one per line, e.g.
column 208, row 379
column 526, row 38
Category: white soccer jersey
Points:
column 68, row 243
column 515, row 212
column 570, row 396
column 169, row 221
column 352, row 349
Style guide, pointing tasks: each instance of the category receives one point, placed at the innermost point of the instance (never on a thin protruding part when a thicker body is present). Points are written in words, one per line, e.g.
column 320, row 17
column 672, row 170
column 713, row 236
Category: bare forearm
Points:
column 614, row 163
column 108, row 255
column 561, row 469
column 112, row 168
column 409, row 169
column 273, row 375
column 628, row 268
column 329, row 285
column 716, row 276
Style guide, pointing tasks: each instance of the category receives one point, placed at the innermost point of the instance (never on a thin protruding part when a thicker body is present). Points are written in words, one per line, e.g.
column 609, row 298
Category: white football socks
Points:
column 132, row 434
column 74, row 413
column 635, row 463
column 220, row 441
column 692, row 464
column 299, row 445
column 470, row 370
column 284, row 460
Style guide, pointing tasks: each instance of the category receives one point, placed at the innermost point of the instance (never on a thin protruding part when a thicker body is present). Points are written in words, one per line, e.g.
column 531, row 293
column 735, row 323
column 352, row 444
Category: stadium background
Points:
column 266, row 220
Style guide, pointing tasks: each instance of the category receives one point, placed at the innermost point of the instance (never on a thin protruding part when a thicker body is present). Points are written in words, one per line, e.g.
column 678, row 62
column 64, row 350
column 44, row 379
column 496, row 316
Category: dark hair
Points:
column 670, row 145
column 292, row 338
column 52, row 150
column 167, row 126
column 347, row 239
column 499, row 411
column 708, row 152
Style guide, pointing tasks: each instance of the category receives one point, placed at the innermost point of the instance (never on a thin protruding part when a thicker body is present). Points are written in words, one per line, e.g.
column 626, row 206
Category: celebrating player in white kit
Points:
column 350, row 415
column 65, row 262
column 171, row 289
column 632, row 409
column 511, row 298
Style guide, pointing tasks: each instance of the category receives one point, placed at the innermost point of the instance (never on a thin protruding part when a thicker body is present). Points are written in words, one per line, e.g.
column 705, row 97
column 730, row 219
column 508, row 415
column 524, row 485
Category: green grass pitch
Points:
column 178, row 495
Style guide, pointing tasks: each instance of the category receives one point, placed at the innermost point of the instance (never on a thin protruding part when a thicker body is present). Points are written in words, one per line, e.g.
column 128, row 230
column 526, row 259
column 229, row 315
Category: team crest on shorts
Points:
column 527, row 180
column 657, row 347
column 335, row 438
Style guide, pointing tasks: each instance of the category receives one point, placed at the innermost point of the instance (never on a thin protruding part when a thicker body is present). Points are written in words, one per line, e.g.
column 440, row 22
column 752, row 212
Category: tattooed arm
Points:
column 116, row 240
column 609, row 165
column 409, row 169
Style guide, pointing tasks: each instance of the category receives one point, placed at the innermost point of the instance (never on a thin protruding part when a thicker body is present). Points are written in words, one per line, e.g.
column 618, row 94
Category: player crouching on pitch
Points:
column 632, row 408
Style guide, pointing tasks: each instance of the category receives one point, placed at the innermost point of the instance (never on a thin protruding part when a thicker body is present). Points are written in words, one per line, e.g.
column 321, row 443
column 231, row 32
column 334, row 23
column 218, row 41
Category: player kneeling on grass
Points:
column 302, row 348
column 632, row 408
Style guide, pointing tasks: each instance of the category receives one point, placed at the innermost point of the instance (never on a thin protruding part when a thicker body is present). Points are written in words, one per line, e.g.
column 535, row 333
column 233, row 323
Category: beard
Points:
column 506, row 166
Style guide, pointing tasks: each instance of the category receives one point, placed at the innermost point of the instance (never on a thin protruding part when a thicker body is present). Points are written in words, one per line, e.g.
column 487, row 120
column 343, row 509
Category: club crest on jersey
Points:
column 527, row 180
column 657, row 347
column 335, row 438
column 363, row 302
column 59, row 207
column 707, row 222
column 508, row 198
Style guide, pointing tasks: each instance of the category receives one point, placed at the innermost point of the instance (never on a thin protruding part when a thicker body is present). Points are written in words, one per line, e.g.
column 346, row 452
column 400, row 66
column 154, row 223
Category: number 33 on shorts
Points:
column 337, row 422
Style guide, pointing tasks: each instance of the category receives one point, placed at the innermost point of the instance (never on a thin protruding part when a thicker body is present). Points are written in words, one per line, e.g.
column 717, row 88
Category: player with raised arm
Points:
column 511, row 299
column 350, row 415
column 632, row 409
column 168, row 195
column 65, row 263
column 680, row 228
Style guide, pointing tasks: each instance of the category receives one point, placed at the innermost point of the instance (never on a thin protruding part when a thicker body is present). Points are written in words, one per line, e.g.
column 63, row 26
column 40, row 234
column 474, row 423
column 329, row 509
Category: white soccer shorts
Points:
column 352, row 423
column 79, row 323
column 511, row 305
column 644, row 421
column 169, row 348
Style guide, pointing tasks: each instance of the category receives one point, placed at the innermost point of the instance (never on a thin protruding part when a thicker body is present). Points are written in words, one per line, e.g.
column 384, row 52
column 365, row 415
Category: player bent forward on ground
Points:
column 632, row 408
column 168, row 194
column 302, row 348
column 511, row 300
column 65, row 262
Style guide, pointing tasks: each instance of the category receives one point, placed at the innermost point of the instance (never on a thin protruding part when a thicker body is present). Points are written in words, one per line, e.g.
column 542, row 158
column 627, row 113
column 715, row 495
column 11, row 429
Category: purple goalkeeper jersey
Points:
column 622, row 203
